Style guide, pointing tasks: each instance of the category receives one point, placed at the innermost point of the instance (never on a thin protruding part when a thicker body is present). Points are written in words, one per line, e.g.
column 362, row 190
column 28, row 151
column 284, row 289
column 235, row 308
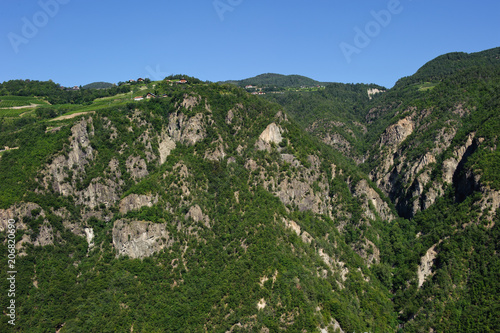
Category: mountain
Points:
column 433, row 152
column 429, row 144
column 439, row 128
column 335, row 114
column 98, row 85
column 211, row 209
column 276, row 80
column 209, row 206
column 449, row 64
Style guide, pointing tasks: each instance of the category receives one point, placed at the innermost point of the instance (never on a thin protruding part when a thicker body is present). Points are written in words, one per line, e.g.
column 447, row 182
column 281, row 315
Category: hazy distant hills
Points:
column 277, row 80
column 98, row 85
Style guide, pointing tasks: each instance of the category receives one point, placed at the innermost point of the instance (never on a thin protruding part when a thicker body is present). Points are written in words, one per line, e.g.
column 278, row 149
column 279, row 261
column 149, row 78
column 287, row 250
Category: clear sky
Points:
column 75, row 42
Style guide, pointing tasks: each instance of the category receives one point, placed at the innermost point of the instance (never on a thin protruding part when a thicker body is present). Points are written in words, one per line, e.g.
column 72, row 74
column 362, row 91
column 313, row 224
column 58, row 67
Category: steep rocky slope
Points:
column 208, row 184
column 435, row 157
column 210, row 209
column 435, row 135
column 333, row 114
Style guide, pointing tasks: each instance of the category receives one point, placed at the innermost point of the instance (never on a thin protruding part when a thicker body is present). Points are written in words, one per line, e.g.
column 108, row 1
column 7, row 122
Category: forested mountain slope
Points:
column 437, row 160
column 336, row 114
column 431, row 145
column 210, row 209
column 440, row 134
column 205, row 209
column 276, row 80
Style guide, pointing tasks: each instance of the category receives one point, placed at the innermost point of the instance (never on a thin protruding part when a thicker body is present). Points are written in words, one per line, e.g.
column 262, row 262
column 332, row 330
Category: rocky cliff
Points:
column 222, row 212
column 415, row 181
column 137, row 239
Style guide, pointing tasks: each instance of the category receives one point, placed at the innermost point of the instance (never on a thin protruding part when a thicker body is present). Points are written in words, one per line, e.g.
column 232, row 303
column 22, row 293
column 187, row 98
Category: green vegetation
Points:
column 98, row 85
column 54, row 93
column 225, row 236
column 426, row 86
column 218, row 285
column 10, row 113
column 339, row 108
column 278, row 81
column 450, row 64
column 13, row 101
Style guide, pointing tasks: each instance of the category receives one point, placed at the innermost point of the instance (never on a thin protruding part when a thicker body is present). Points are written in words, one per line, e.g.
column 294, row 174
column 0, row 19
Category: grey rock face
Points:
column 370, row 196
column 138, row 239
column 197, row 215
column 186, row 130
column 136, row 201
column 137, row 167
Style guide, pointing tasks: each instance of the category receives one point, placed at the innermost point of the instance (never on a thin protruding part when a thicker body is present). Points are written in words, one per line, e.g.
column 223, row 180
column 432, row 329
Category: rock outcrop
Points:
column 100, row 191
column 368, row 251
column 137, row 239
column 80, row 154
column 136, row 201
column 89, row 233
column 197, row 215
column 186, row 130
column 190, row 101
column 137, row 167
column 18, row 212
column 216, row 154
column 426, row 263
column 298, row 189
column 304, row 235
column 408, row 179
column 334, row 326
column 373, row 91
column 335, row 266
column 372, row 200
column 45, row 235
column 165, row 145
column 272, row 133
column 337, row 141
column 397, row 133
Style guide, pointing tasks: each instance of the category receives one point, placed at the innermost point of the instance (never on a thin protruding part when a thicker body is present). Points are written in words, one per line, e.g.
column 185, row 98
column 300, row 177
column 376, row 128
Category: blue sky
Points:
column 74, row 42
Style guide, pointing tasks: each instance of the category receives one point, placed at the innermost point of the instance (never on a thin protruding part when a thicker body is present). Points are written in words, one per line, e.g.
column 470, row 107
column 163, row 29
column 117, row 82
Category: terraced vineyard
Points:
column 16, row 101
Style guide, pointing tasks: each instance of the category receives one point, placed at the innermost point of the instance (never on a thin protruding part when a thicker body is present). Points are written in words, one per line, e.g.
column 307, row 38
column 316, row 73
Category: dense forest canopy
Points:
column 98, row 85
column 351, row 208
column 277, row 80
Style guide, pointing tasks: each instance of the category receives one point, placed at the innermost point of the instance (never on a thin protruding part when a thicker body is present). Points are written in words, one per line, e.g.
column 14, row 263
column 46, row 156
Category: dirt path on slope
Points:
column 69, row 116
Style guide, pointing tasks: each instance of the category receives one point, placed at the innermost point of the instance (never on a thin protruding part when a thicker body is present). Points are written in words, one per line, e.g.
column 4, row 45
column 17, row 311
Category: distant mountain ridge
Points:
column 277, row 80
column 449, row 64
column 98, row 85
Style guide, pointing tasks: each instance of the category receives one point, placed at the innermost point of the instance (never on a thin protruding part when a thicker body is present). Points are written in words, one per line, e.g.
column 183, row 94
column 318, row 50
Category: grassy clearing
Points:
column 111, row 99
column 98, row 104
column 426, row 86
